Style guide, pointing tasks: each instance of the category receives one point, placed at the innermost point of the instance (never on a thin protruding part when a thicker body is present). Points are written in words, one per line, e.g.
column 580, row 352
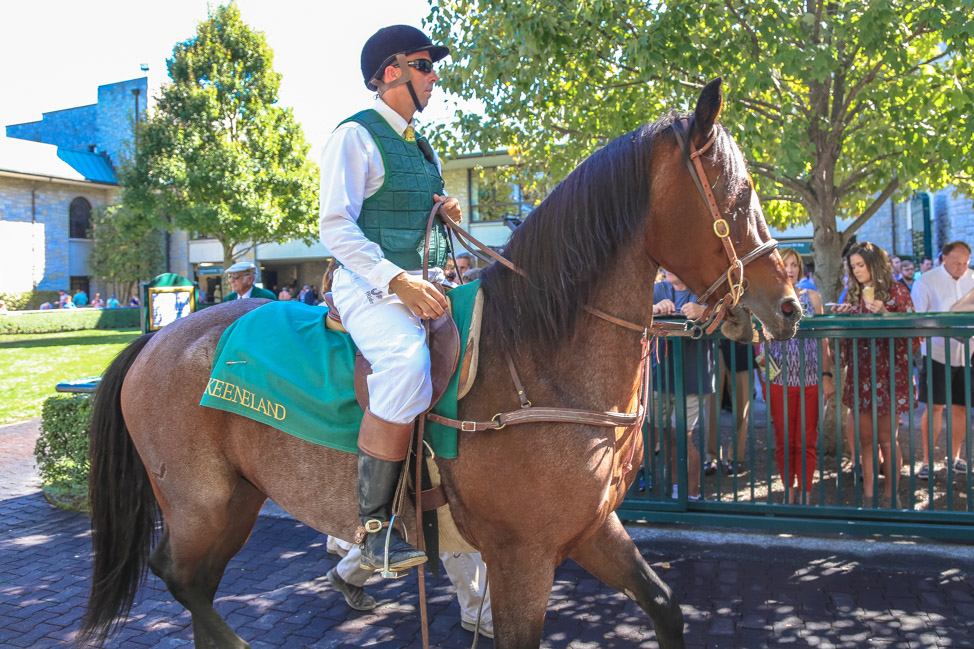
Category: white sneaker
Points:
column 960, row 466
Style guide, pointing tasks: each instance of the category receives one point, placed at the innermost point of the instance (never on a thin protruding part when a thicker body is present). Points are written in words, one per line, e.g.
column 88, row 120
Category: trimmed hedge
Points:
column 28, row 300
column 43, row 322
column 62, row 450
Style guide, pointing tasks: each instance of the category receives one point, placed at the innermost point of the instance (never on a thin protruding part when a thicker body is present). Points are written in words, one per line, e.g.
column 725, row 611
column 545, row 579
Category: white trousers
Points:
column 467, row 573
column 348, row 568
column 393, row 340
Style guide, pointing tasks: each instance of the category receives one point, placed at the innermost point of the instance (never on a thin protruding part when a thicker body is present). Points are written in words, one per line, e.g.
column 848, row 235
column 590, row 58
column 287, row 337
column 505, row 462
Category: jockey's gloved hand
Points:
column 451, row 206
column 420, row 296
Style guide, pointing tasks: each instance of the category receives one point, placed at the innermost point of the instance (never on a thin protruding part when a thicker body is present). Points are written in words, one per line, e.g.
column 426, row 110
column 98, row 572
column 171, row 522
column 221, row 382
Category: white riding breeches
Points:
column 393, row 340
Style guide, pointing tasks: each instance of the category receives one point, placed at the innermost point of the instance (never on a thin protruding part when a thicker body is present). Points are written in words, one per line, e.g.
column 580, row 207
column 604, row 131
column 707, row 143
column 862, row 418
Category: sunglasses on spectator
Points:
column 239, row 275
column 423, row 65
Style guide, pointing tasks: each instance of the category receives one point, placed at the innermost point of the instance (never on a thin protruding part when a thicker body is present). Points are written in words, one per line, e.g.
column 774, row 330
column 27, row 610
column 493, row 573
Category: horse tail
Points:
column 124, row 511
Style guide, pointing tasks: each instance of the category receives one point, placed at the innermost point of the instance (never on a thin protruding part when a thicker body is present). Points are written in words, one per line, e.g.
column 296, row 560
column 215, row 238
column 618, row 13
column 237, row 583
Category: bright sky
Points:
column 56, row 53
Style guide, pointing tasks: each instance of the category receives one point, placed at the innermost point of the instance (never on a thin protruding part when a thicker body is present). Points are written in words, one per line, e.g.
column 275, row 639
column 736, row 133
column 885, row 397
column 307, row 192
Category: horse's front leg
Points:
column 520, row 578
column 612, row 557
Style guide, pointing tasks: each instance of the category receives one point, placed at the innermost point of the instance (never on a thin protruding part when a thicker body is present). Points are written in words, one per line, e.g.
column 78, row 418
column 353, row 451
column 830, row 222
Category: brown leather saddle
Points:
column 444, row 345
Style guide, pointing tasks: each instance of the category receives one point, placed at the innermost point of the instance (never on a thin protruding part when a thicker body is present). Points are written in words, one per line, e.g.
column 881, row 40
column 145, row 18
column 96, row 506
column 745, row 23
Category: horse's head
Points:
column 686, row 221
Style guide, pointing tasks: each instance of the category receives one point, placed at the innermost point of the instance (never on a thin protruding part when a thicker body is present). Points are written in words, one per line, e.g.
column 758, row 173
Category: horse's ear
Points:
column 709, row 104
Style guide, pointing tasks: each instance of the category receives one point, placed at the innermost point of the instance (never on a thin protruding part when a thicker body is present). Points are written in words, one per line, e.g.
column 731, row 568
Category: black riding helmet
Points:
column 381, row 49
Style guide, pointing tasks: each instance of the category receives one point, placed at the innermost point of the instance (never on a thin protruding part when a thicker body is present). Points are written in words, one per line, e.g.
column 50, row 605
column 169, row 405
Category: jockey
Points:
column 379, row 181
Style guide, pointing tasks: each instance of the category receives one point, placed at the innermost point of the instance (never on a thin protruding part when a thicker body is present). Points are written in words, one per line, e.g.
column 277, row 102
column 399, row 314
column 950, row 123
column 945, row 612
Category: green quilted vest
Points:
column 395, row 216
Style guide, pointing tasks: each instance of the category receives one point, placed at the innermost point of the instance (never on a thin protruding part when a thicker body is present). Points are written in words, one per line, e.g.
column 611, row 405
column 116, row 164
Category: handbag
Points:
column 768, row 366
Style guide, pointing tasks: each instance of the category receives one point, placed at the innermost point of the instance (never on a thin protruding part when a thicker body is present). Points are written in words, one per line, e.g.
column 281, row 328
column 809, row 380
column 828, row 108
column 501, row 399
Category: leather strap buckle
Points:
column 468, row 426
column 372, row 526
column 721, row 229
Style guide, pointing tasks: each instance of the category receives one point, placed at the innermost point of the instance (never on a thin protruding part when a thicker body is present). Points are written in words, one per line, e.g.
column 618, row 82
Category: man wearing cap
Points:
column 242, row 282
column 379, row 182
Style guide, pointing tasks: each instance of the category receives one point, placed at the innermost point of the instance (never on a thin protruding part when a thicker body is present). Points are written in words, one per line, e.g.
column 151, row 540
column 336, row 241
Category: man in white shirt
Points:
column 379, row 182
column 938, row 290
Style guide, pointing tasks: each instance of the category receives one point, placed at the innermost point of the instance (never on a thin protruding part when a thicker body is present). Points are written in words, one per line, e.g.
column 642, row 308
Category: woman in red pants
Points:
column 797, row 386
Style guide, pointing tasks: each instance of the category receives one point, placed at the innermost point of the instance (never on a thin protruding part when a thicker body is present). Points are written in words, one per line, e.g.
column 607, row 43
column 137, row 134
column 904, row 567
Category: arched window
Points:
column 80, row 218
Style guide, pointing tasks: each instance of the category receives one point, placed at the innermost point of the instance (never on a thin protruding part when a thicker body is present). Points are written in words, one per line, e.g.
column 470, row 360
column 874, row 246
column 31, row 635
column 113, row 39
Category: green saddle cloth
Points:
column 281, row 366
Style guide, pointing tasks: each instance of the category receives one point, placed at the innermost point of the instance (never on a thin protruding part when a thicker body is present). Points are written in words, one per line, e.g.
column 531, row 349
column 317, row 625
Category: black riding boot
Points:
column 377, row 480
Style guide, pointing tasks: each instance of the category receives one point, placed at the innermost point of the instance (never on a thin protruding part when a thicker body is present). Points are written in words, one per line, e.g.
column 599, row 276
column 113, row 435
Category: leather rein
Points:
column 708, row 321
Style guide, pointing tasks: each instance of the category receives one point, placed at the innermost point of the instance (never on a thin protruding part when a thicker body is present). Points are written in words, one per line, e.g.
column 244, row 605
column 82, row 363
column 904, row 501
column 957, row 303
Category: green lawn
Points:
column 31, row 365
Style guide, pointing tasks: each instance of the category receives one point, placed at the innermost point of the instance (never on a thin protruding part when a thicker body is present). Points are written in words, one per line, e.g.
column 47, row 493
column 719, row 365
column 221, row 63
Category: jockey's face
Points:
column 399, row 98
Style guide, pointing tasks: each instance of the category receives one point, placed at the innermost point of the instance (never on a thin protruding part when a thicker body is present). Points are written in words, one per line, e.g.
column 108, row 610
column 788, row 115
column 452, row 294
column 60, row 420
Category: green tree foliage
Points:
column 837, row 105
column 128, row 248
column 217, row 156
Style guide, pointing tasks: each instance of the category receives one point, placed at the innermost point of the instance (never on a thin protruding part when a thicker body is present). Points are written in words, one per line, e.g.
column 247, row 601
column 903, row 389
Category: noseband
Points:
column 734, row 276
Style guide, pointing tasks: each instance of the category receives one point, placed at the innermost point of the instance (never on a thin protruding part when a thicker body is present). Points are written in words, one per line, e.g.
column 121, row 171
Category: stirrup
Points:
column 375, row 526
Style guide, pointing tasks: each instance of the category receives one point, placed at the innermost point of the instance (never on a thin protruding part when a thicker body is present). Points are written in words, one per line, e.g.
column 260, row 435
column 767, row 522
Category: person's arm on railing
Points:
column 966, row 303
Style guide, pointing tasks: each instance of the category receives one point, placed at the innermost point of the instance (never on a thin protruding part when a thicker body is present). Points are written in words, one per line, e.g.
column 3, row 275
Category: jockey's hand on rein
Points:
column 420, row 296
column 451, row 206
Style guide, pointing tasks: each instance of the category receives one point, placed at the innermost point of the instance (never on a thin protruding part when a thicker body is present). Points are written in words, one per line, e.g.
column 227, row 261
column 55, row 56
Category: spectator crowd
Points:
column 881, row 379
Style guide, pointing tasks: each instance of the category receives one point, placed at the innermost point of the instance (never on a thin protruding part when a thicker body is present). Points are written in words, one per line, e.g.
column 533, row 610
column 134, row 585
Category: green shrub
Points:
column 42, row 322
column 62, row 450
column 28, row 299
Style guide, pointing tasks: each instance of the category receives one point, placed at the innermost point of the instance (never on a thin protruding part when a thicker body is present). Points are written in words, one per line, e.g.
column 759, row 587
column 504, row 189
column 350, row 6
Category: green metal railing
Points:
column 756, row 497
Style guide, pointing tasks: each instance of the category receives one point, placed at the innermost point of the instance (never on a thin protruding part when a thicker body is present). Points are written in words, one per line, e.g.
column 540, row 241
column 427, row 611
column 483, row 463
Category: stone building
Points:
column 920, row 227
column 53, row 173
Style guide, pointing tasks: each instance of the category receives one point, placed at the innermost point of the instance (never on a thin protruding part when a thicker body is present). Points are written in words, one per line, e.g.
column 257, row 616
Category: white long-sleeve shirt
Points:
column 351, row 171
column 935, row 291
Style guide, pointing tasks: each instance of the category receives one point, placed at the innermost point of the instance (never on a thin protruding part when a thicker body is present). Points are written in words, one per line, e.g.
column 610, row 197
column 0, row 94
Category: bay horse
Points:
column 527, row 497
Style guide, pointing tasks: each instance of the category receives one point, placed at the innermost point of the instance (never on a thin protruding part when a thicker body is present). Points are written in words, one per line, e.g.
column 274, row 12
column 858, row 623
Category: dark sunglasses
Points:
column 423, row 65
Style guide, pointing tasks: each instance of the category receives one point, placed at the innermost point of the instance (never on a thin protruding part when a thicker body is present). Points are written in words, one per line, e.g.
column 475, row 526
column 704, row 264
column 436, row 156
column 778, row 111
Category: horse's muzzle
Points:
column 790, row 312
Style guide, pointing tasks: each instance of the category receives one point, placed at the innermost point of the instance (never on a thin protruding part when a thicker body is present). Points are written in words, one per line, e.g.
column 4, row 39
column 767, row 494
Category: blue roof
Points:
column 93, row 166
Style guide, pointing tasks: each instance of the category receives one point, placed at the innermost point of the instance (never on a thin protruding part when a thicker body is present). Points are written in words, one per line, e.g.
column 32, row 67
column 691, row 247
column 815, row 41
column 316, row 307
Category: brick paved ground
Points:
column 740, row 591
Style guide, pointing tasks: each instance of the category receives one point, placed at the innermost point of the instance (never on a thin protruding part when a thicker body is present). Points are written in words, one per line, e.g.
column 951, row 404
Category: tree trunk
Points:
column 827, row 246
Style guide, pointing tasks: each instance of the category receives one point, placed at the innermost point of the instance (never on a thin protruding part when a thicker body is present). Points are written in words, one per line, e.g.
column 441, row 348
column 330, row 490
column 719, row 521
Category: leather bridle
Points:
column 734, row 275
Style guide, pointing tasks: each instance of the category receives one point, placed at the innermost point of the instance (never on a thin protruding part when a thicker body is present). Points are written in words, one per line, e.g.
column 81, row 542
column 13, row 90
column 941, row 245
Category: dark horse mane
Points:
column 567, row 241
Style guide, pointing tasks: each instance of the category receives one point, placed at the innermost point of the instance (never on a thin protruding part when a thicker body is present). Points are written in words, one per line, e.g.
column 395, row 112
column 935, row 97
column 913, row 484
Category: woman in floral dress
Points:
column 872, row 290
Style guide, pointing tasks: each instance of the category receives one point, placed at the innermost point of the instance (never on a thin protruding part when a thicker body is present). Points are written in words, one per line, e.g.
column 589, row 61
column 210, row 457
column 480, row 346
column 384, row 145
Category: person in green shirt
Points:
column 242, row 276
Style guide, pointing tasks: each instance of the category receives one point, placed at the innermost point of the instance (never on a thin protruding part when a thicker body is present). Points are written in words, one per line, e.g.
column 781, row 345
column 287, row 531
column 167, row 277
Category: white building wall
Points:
column 21, row 256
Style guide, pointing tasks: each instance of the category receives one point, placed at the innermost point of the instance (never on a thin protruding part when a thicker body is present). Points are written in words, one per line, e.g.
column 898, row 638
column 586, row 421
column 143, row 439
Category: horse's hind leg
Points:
column 612, row 557
column 194, row 552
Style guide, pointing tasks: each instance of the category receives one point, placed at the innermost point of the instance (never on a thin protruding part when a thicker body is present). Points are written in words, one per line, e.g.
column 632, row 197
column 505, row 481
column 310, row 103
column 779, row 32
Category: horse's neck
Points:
column 600, row 364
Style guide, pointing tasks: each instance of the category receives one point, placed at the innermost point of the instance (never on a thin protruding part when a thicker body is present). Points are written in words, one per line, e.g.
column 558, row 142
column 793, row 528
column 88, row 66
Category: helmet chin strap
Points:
column 404, row 78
